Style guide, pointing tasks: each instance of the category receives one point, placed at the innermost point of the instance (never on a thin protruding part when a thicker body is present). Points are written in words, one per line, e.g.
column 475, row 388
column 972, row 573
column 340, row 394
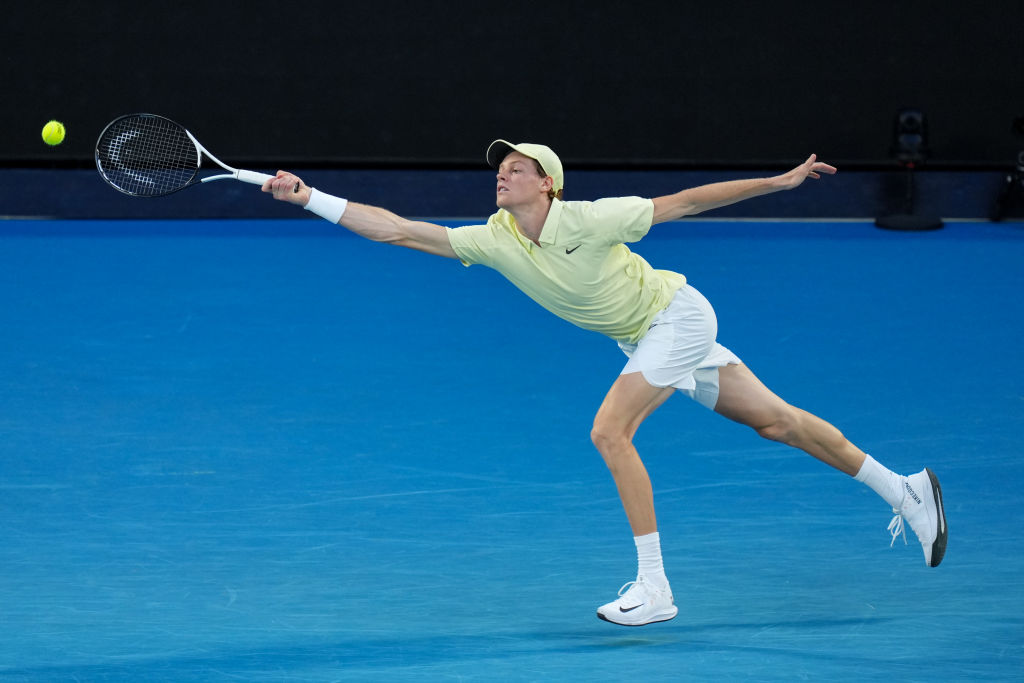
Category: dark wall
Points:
column 680, row 83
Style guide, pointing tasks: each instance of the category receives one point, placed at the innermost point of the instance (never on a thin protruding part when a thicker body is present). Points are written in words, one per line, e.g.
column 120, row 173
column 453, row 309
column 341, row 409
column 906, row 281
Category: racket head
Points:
column 146, row 155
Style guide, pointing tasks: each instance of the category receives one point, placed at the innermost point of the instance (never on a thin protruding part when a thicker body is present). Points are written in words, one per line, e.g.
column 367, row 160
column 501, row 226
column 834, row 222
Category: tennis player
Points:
column 570, row 257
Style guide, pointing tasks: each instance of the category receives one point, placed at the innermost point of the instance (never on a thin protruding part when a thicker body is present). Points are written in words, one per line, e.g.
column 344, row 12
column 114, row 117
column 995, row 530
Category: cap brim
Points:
column 497, row 152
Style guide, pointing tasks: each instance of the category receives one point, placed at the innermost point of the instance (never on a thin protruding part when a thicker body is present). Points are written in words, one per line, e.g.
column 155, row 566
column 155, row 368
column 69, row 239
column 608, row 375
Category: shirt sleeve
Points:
column 470, row 243
column 621, row 219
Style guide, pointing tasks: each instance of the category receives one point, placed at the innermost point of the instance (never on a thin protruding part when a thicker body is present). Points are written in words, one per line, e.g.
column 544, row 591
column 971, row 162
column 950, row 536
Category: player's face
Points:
column 519, row 182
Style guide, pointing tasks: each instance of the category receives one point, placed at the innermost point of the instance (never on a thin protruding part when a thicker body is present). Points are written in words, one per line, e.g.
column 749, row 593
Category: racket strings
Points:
column 146, row 155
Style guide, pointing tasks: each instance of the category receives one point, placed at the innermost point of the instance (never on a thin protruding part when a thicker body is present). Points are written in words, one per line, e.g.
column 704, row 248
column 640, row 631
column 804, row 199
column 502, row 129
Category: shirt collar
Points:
column 549, row 233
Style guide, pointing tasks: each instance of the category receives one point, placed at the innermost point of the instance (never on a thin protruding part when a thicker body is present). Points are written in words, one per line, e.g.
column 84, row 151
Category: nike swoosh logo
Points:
column 630, row 609
column 569, row 251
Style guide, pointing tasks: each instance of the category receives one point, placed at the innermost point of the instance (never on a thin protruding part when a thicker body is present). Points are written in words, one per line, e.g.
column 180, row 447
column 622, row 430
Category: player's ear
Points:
column 547, row 183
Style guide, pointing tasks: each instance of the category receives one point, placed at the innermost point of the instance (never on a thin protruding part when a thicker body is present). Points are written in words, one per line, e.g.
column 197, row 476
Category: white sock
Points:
column 882, row 481
column 648, row 553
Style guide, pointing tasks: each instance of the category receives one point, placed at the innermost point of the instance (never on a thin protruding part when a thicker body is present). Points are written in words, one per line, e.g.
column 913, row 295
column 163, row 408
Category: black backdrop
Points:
column 646, row 84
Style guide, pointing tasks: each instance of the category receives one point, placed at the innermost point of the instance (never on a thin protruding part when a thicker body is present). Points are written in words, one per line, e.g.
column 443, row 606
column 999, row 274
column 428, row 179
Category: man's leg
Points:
column 918, row 498
column 744, row 399
column 627, row 404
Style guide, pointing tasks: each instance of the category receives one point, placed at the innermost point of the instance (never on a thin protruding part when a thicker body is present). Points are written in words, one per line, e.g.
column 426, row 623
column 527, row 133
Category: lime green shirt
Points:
column 582, row 271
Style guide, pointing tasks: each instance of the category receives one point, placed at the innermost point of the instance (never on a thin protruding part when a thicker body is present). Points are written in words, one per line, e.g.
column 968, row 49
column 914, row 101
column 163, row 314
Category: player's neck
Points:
column 530, row 219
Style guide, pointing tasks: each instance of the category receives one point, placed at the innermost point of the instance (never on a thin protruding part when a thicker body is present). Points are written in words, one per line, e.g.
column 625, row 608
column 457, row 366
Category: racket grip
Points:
column 252, row 177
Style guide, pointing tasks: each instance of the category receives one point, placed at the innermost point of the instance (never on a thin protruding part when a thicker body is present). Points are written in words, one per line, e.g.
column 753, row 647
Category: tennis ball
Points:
column 53, row 133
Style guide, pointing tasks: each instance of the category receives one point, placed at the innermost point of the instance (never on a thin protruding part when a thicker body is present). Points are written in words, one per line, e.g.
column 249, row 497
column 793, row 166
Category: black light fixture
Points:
column 910, row 138
column 910, row 150
column 1010, row 201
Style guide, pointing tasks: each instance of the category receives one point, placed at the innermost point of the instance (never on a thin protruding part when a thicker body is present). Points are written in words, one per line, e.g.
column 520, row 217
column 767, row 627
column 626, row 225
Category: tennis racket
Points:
column 145, row 155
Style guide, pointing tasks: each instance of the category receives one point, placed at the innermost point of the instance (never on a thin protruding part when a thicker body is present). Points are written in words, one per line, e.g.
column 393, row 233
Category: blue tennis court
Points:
column 269, row 450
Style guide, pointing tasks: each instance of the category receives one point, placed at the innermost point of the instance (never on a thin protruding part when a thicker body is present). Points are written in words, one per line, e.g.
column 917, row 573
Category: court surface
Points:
column 267, row 450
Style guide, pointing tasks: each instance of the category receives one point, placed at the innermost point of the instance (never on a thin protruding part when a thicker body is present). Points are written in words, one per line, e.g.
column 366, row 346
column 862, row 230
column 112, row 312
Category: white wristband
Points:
column 327, row 206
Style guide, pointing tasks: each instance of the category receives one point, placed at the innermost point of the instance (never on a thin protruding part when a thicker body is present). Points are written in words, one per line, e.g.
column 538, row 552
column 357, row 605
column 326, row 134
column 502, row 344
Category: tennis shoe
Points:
column 922, row 508
column 639, row 603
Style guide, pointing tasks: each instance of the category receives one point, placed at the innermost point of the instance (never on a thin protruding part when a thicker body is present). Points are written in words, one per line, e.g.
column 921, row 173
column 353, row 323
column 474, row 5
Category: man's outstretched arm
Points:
column 699, row 199
column 371, row 222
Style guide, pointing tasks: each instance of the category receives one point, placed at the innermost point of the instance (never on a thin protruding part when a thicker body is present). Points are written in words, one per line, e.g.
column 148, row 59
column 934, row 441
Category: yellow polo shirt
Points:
column 582, row 271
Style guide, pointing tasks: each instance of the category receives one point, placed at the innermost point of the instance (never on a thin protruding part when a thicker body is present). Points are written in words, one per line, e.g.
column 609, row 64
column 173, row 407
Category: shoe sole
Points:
column 942, row 531
column 659, row 619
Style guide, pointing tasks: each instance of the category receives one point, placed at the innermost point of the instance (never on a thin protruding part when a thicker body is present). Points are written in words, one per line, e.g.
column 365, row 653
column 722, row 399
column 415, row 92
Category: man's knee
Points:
column 604, row 437
column 783, row 427
column 608, row 439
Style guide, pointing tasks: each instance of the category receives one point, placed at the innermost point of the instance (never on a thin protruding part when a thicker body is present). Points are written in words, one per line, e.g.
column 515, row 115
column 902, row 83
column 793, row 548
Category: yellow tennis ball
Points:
column 53, row 133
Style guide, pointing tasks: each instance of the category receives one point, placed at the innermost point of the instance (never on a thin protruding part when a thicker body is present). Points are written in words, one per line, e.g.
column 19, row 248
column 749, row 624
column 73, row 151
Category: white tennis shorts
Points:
column 679, row 349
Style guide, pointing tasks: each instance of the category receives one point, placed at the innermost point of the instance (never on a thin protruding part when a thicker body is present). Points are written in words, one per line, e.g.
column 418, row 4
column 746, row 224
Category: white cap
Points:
column 542, row 154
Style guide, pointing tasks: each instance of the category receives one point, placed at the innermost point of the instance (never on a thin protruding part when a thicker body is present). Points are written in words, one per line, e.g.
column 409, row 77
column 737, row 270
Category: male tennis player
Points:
column 571, row 258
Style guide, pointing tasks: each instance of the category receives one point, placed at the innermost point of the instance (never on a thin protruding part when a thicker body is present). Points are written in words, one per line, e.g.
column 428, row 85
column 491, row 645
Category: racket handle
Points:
column 252, row 177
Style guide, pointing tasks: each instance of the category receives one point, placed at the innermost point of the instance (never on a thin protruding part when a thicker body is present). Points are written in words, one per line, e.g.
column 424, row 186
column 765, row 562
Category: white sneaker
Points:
column 922, row 508
column 639, row 603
